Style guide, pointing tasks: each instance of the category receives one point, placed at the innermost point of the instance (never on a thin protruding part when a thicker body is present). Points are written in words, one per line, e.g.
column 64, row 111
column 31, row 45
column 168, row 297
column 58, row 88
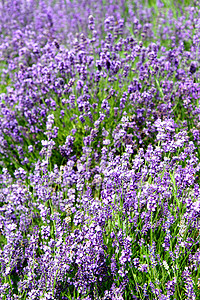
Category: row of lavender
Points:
column 99, row 135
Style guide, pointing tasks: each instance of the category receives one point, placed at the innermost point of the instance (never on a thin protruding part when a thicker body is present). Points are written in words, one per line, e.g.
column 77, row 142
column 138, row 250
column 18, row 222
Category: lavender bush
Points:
column 99, row 147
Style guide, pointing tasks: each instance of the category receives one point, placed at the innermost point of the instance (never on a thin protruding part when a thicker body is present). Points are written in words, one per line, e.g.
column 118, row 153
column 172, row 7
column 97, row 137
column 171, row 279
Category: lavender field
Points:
column 99, row 149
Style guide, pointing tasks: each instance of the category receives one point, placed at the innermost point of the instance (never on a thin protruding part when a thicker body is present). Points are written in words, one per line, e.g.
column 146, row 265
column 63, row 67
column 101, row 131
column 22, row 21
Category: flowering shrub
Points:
column 99, row 148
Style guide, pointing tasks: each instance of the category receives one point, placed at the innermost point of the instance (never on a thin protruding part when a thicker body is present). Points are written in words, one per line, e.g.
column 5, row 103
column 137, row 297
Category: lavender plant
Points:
column 99, row 132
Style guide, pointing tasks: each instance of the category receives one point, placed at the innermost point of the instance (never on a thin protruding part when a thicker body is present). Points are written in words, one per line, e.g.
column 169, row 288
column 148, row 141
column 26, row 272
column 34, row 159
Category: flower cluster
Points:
column 99, row 138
